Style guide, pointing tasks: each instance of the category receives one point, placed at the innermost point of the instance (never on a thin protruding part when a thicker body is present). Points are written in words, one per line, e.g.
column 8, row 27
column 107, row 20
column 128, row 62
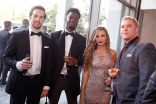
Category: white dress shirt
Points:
column 68, row 42
column 35, row 56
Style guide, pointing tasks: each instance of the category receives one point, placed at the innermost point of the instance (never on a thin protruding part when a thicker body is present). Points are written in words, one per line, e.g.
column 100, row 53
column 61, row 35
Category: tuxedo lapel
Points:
column 62, row 43
column 26, row 45
column 128, row 50
column 73, row 45
column 118, row 61
column 42, row 54
column 27, row 42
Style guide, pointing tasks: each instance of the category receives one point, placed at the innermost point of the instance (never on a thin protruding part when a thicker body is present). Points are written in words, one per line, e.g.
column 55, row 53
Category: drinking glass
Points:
column 66, row 58
column 28, row 55
column 114, row 71
column 107, row 77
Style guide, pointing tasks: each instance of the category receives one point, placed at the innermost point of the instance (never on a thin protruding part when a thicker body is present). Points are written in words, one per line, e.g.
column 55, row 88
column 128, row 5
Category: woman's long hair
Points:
column 92, row 46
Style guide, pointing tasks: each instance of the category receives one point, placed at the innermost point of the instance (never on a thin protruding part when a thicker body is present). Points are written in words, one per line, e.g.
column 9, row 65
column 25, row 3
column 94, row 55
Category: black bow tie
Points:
column 72, row 34
column 39, row 33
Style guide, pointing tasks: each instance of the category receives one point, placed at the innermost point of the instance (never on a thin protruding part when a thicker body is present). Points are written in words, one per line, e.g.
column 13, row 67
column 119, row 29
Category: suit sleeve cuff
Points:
column 46, row 87
column 17, row 66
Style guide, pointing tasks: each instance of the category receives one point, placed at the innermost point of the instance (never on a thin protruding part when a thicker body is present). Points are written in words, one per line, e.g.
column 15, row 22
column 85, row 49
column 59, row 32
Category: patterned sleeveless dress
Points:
column 94, row 92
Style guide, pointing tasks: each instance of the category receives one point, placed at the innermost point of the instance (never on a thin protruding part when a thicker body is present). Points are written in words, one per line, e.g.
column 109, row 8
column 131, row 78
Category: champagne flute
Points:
column 25, row 71
column 66, row 58
column 107, row 77
column 28, row 55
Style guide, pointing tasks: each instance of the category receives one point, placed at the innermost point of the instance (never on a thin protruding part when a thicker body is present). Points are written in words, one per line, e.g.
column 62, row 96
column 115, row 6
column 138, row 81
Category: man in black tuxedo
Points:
column 136, row 64
column 27, row 55
column 4, row 38
column 65, row 75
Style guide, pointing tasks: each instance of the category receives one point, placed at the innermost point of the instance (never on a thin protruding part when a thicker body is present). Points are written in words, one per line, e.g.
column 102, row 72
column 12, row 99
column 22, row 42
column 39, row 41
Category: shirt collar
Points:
column 69, row 32
column 30, row 30
column 129, row 43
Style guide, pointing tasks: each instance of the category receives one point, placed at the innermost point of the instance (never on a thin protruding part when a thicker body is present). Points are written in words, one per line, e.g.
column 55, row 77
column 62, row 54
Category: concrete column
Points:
column 94, row 15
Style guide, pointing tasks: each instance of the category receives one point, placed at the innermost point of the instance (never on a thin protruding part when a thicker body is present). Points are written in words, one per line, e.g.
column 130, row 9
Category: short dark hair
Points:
column 37, row 7
column 73, row 10
column 25, row 21
column 7, row 23
column 49, row 30
column 15, row 27
column 44, row 27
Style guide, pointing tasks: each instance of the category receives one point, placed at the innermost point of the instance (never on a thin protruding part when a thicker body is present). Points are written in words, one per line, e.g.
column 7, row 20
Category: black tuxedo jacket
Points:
column 137, row 65
column 77, row 49
column 4, row 38
column 16, row 50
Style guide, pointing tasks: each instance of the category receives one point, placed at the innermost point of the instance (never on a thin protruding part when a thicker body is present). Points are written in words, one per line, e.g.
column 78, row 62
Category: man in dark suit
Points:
column 150, row 92
column 15, row 27
column 65, row 75
column 44, row 31
column 136, row 64
column 25, row 24
column 4, row 38
column 27, row 55
column 49, row 32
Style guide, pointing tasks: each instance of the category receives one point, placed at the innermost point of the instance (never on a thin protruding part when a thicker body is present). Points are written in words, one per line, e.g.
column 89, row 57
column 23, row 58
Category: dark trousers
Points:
column 114, row 95
column 3, row 70
column 30, row 93
column 114, row 100
column 61, row 84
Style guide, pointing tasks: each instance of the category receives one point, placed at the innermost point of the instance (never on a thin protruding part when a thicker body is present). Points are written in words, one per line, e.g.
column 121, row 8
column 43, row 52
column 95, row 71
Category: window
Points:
column 84, row 7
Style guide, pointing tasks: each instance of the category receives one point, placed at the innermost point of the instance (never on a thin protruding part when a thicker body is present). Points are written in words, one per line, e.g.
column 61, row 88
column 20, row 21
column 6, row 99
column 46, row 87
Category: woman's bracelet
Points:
column 83, row 86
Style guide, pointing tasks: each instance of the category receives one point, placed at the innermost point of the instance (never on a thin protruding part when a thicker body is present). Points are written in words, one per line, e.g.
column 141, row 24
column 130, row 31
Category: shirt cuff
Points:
column 46, row 87
column 17, row 66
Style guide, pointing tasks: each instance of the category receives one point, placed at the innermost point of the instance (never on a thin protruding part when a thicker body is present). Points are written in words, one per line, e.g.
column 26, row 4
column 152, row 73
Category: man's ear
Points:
column 29, row 17
column 137, row 29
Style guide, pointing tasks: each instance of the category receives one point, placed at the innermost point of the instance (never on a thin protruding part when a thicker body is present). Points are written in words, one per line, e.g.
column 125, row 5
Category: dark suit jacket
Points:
column 150, row 92
column 47, row 35
column 77, row 48
column 20, row 29
column 16, row 50
column 137, row 65
column 4, row 38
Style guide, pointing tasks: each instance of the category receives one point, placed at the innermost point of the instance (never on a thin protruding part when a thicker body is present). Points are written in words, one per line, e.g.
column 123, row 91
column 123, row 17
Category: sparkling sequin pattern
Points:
column 94, row 92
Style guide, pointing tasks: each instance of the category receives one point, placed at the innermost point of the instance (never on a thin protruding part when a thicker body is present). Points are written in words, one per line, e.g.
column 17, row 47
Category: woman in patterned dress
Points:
column 97, row 57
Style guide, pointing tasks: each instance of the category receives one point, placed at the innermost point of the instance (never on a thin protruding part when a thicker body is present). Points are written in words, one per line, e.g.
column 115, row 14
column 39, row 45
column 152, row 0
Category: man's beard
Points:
column 37, row 27
column 71, row 28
